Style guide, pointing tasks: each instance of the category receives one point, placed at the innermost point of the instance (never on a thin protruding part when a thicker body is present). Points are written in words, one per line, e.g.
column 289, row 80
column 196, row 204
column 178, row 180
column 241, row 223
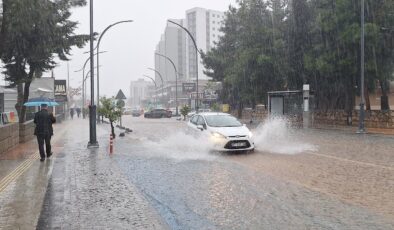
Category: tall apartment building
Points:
column 173, row 45
column 204, row 25
column 139, row 92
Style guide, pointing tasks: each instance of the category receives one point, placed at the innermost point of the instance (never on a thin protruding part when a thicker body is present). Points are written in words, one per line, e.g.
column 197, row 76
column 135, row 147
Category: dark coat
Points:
column 44, row 120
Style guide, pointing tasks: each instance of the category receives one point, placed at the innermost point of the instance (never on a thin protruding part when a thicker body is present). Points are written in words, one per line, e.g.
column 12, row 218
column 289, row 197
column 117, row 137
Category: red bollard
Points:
column 111, row 144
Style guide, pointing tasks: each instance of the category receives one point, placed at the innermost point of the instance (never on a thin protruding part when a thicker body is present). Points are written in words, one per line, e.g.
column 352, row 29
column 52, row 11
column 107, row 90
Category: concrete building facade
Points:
column 204, row 25
column 139, row 92
column 173, row 45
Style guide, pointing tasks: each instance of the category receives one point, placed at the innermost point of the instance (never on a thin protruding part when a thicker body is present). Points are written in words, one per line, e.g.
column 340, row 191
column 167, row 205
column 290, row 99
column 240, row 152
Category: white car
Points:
column 224, row 131
column 189, row 115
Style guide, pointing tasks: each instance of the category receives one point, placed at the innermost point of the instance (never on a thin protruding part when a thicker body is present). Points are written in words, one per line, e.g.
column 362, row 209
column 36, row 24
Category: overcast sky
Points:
column 130, row 46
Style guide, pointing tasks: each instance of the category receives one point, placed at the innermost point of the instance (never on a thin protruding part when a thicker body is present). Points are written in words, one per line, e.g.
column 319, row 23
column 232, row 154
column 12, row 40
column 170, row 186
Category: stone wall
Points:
column 260, row 113
column 373, row 119
column 26, row 131
column 9, row 136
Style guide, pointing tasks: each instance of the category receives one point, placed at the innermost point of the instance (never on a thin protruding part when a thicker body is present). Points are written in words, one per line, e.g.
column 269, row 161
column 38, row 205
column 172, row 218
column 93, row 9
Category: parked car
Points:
column 158, row 113
column 173, row 111
column 224, row 131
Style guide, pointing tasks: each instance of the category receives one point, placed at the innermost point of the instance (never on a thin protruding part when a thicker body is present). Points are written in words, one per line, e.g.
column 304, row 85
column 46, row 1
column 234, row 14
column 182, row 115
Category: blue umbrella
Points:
column 38, row 101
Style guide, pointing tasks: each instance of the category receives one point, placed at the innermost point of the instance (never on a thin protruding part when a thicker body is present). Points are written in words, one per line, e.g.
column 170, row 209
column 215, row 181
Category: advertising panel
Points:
column 188, row 87
column 61, row 90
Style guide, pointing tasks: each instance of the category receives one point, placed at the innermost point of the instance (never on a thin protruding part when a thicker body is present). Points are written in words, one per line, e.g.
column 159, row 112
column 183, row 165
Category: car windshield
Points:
column 222, row 121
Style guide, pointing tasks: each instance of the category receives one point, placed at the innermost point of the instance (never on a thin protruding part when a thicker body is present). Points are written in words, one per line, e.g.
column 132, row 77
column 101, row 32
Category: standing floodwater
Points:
column 292, row 179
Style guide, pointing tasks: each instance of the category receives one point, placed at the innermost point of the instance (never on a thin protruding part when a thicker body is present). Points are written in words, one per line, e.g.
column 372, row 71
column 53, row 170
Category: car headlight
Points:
column 218, row 135
column 250, row 134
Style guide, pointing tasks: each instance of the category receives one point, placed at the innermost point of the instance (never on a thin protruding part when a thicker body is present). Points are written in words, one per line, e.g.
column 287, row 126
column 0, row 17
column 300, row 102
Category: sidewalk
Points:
column 78, row 188
column 353, row 129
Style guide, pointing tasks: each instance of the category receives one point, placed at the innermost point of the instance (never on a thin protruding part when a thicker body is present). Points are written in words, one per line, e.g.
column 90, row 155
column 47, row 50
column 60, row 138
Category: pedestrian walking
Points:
column 72, row 113
column 79, row 112
column 44, row 130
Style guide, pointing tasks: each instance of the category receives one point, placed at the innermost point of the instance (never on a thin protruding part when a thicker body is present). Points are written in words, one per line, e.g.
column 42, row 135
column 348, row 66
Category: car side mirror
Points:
column 200, row 127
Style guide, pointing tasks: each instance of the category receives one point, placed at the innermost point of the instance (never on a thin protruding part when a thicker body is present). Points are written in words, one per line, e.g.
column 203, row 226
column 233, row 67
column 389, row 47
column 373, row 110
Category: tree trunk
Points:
column 26, row 92
column 367, row 101
column 349, row 106
column 240, row 108
column 385, row 105
column 19, row 103
column 112, row 129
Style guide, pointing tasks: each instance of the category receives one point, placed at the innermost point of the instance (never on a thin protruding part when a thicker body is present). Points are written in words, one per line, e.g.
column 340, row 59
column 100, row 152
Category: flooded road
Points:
column 294, row 180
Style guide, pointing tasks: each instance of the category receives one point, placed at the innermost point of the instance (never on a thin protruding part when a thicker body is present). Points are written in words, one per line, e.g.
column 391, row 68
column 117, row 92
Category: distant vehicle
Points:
column 158, row 113
column 127, row 111
column 136, row 112
column 224, row 131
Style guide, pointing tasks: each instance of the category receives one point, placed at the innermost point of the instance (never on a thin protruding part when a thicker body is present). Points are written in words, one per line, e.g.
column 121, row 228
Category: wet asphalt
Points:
column 193, row 188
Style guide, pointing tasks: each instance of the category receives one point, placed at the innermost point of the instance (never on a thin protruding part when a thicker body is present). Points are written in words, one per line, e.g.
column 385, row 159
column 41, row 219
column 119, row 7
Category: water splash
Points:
column 276, row 136
column 181, row 146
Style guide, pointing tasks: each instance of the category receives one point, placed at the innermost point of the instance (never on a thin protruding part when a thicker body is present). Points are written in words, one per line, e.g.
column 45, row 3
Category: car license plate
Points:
column 239, row 144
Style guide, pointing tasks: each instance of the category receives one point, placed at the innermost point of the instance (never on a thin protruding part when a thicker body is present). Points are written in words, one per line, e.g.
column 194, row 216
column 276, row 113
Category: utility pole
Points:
column 361, row 126
column 176, row 81
column 92, row 108
column 162, row 82
column 98, row 62
column 68, row 90
column 197, row 52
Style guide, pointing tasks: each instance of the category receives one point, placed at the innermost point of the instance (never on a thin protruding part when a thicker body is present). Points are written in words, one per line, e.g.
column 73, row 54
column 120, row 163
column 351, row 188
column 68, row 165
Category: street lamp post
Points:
column 83, row 81
column 83, row 86
column 162, row 82
column 68, row 89
column 98, row 62
column 176, row 81
column 155, row 101
column 84, row 90
column 92, row 108
column 197, row 52
column 361, row 127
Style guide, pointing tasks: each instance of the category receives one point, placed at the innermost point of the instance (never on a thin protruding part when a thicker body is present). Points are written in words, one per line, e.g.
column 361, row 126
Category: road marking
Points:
column 16, row 173
column 353, row 161
column 24, row 166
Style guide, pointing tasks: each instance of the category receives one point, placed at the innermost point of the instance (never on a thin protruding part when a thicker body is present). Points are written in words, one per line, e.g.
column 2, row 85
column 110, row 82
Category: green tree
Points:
column 250, row 59
column 299, row 42
column 282, row 44
column 335, row 54
column 33, row 33
column 184, row 111
column 110, row 110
